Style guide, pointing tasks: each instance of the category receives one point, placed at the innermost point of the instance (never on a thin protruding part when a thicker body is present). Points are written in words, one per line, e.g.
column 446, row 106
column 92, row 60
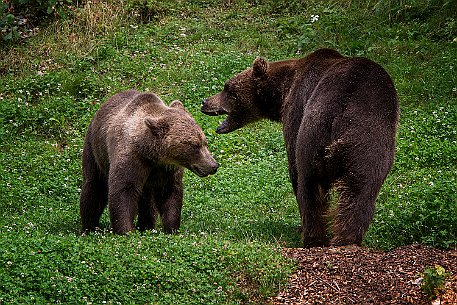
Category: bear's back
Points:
column 126, row 103
column 119, row 123
column 327, row 77
column 358, row 83
column 126, row 109
column 149, row 103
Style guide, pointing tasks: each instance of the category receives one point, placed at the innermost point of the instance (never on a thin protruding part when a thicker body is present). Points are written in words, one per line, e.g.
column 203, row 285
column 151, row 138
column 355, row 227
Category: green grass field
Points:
column 228, row 250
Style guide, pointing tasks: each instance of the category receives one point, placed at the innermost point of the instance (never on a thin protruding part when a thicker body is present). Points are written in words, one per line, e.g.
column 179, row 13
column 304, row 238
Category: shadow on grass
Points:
column 274, row 231
column 284, row 233
column 68, row 226
column 64, row 227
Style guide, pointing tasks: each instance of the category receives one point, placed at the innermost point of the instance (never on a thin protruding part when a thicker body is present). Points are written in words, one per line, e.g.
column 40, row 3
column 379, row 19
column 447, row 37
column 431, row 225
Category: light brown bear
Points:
column 339, row 117
column 133, row 158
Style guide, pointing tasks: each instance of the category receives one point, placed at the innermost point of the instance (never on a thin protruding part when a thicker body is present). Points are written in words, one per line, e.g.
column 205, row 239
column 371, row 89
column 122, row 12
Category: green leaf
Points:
column 50, row 10
column 8, row 19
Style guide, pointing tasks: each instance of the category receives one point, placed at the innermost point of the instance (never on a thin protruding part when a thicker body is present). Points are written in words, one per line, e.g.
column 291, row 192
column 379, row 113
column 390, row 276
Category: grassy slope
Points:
column 234, row 222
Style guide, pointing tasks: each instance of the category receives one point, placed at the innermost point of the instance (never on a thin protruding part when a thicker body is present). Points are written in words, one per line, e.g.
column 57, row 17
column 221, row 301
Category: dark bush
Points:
column 19, row 19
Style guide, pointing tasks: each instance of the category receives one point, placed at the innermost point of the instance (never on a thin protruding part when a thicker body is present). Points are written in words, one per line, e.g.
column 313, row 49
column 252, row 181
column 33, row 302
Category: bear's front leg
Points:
column 168, row 199
column 125, row 186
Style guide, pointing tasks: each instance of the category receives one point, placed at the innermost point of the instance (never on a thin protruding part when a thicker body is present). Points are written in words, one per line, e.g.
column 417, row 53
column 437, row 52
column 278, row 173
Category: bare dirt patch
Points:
column 357, row 275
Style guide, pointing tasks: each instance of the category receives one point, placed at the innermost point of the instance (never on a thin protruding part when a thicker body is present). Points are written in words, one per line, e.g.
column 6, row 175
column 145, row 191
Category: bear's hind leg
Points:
column 312, row 204
column 92, row 203
column 361, row 165
column 169, row 202
column 170, row 212
column 147, row 212
column 94, row 193
column 354, row 213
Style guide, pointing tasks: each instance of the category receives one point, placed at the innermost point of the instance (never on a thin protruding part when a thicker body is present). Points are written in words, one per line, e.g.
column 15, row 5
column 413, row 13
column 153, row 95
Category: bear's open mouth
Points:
column 212, row 109
column 214, row 112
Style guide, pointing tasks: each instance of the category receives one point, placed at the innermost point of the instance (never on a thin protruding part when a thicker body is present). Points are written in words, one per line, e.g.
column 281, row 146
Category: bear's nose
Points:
column 204, row 101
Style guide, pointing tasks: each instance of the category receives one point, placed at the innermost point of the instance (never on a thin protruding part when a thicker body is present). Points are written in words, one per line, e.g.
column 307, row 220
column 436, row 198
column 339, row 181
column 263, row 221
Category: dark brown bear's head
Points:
column 240, row 99
column 182, row 141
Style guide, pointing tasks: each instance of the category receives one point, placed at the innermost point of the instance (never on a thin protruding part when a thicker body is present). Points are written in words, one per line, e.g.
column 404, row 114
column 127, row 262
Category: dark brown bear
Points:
column 133, row 156
column 339, row 118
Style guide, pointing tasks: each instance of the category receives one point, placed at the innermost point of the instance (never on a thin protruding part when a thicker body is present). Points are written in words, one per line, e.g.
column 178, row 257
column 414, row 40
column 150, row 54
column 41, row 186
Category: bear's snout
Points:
column 206, row 108
column 214, row 168
column 204, row 171
column 210, row 107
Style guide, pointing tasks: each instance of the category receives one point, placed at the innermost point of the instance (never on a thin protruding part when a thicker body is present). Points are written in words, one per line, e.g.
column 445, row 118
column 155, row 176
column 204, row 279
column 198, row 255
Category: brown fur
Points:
column 133, row 156
column 339, row 118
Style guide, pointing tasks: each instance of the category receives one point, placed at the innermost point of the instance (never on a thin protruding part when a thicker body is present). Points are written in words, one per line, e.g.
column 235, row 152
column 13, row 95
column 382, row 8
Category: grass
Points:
column 233, row 223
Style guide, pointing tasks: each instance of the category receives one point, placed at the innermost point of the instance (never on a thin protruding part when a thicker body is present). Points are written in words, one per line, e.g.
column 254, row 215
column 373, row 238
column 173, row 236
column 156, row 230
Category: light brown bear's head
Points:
column 182, row 141
column 243, row 98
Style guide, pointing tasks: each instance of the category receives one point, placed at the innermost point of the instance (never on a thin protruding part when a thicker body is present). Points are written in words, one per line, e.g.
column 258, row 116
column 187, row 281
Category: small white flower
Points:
column 314, row 18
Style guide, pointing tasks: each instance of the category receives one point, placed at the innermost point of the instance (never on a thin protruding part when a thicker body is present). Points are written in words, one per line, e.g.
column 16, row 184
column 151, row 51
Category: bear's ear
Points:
column 259, row 67
column 154, row 124
column 177, row 104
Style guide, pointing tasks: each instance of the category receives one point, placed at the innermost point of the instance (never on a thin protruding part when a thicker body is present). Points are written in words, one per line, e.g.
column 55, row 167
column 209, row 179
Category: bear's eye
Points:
column 229, row 89
column 231, row 93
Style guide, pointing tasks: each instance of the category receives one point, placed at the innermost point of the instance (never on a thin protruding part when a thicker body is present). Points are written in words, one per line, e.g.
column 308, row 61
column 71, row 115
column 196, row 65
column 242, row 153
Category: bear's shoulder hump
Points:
column 145, row 100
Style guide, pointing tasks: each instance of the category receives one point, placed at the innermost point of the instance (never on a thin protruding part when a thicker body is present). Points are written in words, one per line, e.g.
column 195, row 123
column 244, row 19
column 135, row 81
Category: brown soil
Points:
column 357, row 275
